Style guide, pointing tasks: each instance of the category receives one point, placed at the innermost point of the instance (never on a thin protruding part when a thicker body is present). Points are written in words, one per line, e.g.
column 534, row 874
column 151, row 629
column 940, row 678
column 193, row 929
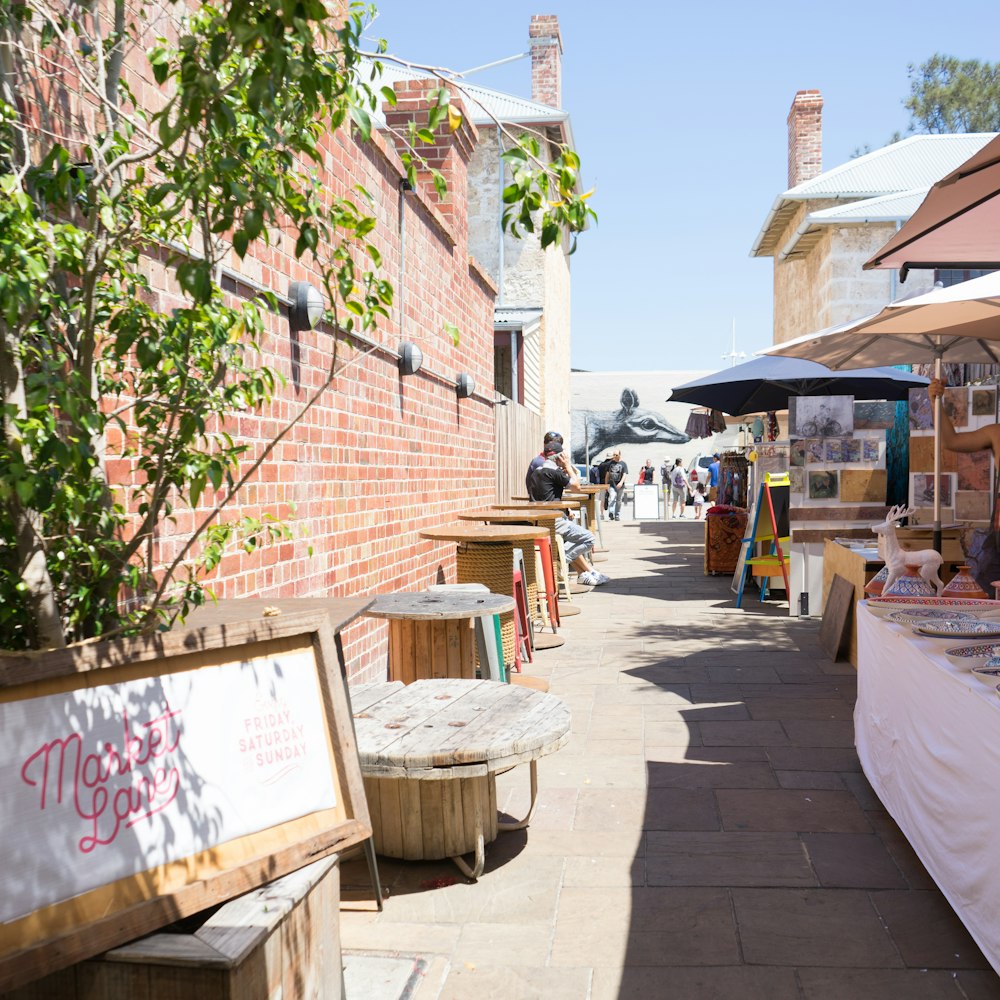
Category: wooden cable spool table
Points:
column 430, row 753
column 486, row 555
column 593, row 493
column 430, row 634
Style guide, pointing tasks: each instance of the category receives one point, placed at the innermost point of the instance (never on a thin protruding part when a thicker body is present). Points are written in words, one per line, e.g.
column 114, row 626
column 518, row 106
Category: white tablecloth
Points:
column 928, row 735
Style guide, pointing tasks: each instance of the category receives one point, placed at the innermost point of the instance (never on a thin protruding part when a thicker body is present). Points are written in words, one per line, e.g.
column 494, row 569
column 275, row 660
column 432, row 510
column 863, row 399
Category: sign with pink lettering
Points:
column 108, row 781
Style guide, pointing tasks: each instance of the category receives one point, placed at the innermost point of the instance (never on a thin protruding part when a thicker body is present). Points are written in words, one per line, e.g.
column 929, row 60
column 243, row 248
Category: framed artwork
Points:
column 821, row 416
column 874, row 416
column 984, row 402
column 956, row 405
column 921, row 412
column 863, row 485
column 922, row 488
column 974, row 470
column 851, row 450
column 823, row 485
column 972, row 506
column 834, row 450
column 869, row 449
column 797, row 453
column 131, row 800
column 796, row 479
column 922, row 455
column 815, row 452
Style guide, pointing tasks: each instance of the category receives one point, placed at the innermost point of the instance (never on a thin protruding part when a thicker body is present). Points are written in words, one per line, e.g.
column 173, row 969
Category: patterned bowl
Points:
column 945, row 628
column 883, row 606
column 913, row 615
column 987, row 674
column 967, row 657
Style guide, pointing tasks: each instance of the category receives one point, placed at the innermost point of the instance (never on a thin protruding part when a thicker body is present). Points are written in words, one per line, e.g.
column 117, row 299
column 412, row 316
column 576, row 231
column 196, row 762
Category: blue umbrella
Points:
column 766, row 383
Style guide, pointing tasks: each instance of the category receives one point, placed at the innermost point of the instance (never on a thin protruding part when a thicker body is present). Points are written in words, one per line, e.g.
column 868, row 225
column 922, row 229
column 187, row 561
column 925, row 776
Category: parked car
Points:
column 700, row 464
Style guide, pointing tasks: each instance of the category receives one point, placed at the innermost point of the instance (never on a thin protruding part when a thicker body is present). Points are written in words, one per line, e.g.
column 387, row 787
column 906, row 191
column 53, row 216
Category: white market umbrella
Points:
column 960, row 323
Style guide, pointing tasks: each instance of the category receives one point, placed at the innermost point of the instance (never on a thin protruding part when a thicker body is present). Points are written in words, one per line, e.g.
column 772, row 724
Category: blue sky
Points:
column 678, row 114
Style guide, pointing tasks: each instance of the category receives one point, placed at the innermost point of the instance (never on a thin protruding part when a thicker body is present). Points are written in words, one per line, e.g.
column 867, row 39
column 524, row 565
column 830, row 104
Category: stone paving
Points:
column 707, row 834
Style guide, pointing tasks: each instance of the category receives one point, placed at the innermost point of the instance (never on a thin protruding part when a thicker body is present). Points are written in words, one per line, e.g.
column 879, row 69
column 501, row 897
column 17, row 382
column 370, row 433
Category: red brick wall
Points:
column 805, row 137
column 379, row 457
column 546, row 59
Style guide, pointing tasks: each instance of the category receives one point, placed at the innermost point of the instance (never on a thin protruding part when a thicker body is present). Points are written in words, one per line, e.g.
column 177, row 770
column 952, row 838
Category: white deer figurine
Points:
column 927, row 561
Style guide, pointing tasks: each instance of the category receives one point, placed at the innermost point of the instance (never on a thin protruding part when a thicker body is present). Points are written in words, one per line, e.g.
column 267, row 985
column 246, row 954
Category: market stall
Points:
column 928, row 736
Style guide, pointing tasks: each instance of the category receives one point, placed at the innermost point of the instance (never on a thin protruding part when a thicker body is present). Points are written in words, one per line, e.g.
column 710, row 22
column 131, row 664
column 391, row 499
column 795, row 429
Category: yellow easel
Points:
column 767, row 530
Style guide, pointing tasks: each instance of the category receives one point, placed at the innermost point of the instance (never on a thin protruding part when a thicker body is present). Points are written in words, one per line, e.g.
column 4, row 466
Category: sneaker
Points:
column 589, row 579
column 602, row 577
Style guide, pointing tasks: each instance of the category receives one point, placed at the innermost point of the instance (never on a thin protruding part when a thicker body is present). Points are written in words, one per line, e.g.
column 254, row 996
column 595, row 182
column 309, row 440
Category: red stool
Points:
column 543, row 547
column 522, row 648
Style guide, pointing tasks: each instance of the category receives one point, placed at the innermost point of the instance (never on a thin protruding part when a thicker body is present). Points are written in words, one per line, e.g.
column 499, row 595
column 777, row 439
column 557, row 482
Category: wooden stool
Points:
column 543, row 550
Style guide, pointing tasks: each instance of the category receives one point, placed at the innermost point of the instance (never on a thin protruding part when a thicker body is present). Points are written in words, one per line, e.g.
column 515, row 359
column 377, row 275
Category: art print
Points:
column 821, row 416
column 797, row 453
column 863, row 486
column 796, row 480
column 923, row 488
column 823, row 485
column 833, row 450
column 874, row 416
column 851, row 450
column 984, row 402
column 870, row 449
column 921, row 411
column 956, row 404
column 815, row 452
column 973, row 469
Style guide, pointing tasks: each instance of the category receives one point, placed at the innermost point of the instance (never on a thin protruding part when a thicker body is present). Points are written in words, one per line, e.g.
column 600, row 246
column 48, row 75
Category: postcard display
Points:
column 836, row 464
column 966, row 478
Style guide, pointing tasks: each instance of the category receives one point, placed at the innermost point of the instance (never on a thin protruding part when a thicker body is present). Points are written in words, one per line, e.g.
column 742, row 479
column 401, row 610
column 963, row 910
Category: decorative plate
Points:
column 989, row 675
column 911, row 617
column 946, row 628
column 934, row 602
column 969, row 656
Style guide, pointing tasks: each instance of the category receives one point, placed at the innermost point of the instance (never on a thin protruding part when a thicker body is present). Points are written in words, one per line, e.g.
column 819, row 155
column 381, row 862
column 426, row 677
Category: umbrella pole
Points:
column 937, row 461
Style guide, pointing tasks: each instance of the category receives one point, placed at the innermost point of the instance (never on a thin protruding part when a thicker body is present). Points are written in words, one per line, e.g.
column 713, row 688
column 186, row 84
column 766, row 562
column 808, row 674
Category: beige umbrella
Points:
column 960, row 323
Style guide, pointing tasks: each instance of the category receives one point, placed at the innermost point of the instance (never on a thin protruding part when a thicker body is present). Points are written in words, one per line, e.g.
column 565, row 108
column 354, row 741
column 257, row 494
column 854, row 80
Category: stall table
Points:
column 430, row 753
column 486, row 555
column 430, row 634
column 928, row 736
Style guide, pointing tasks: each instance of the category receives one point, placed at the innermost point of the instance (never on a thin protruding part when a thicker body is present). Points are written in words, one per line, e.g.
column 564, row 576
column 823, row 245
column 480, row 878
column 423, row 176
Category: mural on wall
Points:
column 657, row 428
column 631, row 424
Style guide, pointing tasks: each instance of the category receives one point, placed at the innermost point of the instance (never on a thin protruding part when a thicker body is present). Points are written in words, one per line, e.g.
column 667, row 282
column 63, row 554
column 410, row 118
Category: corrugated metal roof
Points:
column 915, row 162
column 508, row 318
column 886, row 208
column 482, row 104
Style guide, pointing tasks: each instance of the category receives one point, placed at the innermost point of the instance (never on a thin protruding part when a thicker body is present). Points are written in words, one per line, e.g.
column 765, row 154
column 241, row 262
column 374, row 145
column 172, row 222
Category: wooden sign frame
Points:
column 835, row 628
column 69, row 930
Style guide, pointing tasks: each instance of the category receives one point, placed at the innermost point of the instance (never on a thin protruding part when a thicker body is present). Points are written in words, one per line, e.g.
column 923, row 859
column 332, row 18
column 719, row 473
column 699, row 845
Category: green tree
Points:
column 169, row 134
column 954, row 95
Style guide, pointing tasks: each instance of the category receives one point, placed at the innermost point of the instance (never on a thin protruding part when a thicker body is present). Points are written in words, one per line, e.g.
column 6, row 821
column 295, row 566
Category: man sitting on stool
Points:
column 546, row 484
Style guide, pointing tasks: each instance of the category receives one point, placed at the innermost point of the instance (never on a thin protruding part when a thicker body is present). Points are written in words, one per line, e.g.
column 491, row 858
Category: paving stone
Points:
column 743, row 675
column 590, row 930
column 814, row 733
column 800, row 927
column 790, row 810
column 820, row 709
column 859, row 787
column 680, row 809
column 503, row 982
column 899, row 848
column 852, row 861
column 878, row 984
column 726, row 983
column 739, row 734
column 726, row 859
column 671, row 734
column 708, row 774
column 614, row 872
column 610, row 809
column 480, row 943
column 829, row 780
column 926, row 930
column 977, row 985
column 784, row 758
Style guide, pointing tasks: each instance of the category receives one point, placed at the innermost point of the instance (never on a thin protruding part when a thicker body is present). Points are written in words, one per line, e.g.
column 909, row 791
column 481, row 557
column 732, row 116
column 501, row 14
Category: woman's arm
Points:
column 978, row 440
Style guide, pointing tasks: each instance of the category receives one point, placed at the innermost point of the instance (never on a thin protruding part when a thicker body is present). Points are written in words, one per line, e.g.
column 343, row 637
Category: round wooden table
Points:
column 593, row 493
column 520, row 503
column 430, row 753
column 486, row 555
column 430, row 634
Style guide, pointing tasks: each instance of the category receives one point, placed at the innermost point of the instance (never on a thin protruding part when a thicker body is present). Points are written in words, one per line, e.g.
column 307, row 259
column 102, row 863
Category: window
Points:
column 955, row 276
column 507, row 364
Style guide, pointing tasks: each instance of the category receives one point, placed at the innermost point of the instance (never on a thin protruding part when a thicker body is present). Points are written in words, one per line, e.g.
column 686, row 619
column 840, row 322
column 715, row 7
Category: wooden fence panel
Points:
column 519, row 434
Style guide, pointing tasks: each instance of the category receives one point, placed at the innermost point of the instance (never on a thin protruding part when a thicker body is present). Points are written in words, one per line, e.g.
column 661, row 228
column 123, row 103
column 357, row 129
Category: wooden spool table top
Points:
column 229, row 611
column 441, row 729
column 439, row 604
column 486, row 534
column 591, row 488
column 488, row 516
column 525, row 504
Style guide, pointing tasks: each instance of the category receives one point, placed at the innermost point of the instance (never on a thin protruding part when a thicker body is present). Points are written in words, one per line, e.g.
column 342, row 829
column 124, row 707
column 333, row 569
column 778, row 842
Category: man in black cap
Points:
column 537, row 461
column 546, row 483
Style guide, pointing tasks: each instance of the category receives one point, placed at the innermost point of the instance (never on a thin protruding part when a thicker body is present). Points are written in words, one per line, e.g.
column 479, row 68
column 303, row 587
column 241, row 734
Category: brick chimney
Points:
column 450, row 152
column 805, row 137
column 546, row 59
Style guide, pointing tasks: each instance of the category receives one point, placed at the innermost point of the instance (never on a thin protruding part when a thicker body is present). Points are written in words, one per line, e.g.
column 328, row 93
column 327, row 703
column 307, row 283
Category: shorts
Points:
column 678, row 494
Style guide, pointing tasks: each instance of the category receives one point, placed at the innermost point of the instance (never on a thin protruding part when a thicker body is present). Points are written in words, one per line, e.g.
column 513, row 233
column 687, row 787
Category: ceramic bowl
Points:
column 967, row 657
column 945, row 628
column 883, row 606
column 988, row 674
column 910, row 616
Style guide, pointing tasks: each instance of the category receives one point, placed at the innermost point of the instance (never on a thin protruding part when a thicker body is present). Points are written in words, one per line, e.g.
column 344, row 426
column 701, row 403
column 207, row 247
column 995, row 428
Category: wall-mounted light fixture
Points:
column 410, row 358
column 465, row 385
column 306, row 308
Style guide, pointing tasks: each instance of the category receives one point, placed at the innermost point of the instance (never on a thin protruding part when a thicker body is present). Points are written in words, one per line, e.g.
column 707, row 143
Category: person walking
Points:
column 615, row 480
column 646, row 473
column 678, row 489
column 713, row 478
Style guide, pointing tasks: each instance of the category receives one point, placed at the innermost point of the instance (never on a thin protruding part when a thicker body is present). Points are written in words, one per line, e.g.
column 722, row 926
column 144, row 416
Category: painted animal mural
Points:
column 630, row 425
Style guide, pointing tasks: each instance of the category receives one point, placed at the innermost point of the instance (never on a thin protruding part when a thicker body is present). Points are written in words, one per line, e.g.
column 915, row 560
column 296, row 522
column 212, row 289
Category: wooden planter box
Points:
column 281, row 940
